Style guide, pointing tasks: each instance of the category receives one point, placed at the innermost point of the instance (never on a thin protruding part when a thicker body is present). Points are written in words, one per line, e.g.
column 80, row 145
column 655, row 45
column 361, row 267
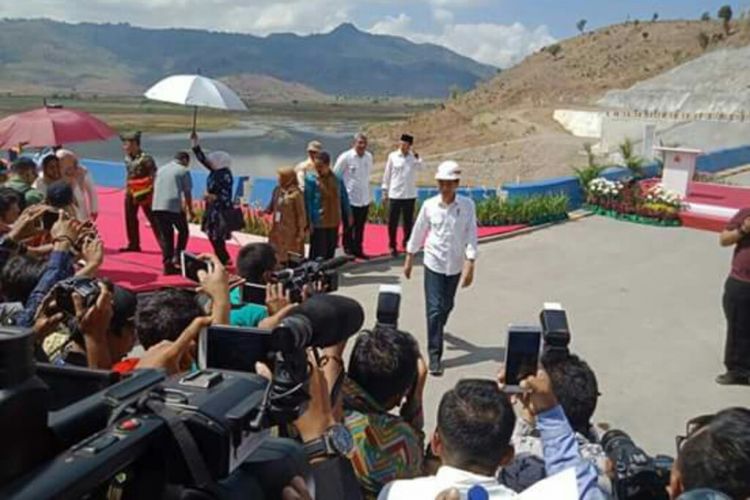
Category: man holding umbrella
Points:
column 139, row 192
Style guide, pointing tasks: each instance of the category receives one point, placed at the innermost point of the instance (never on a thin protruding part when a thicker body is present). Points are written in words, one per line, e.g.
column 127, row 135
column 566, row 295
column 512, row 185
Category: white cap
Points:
column 219, row 159
column 448, row 171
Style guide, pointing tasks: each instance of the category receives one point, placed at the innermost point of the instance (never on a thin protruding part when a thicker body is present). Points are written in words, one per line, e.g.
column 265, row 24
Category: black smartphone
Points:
column 253, row 293
column 232, row 348
column 191, row 264
column 48, row 219
column 521, row 355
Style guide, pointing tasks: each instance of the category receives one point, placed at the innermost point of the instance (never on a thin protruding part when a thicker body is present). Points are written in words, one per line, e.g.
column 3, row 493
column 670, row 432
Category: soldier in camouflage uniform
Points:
column 139, row 191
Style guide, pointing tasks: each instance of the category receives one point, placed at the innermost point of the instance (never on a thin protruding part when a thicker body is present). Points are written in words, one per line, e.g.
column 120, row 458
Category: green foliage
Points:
column 532, row 210
column 725, row 14
column 632, row 162
column 703, row 40
column 706, row 16
column 455, row 92
column 581, row 25
column 591, row 171
column 554, row 49
column 494, row 211
column 655, row 17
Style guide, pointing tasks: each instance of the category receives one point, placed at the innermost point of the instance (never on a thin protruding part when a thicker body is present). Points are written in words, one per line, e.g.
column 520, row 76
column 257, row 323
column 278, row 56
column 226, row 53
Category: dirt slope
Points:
column 503, row 130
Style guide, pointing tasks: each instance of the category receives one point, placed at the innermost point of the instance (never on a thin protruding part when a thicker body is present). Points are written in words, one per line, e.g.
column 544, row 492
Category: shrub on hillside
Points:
column 554, row 49
column 725, row 14
column 703, row 40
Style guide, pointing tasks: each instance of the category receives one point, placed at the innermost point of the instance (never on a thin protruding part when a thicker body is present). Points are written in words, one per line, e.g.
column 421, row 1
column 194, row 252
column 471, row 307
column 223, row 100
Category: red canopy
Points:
column 50, row 127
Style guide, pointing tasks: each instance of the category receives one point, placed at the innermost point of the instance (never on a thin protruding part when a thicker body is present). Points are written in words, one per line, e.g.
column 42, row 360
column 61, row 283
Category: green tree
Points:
column 581, row 25
column 455, row 92
column 632, row 162
column 655, row 17
column 706, row 16
column 703, row 40
column 554, row 49
column 725, row 14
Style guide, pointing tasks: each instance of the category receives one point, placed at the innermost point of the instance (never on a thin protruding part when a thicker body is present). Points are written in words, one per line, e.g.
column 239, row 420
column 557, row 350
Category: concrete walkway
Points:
column 644, row 304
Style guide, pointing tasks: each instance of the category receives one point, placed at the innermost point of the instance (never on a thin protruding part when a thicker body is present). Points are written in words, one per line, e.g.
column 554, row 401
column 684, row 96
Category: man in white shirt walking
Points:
column 449, row 223
column 400, row 190
column 353, row 167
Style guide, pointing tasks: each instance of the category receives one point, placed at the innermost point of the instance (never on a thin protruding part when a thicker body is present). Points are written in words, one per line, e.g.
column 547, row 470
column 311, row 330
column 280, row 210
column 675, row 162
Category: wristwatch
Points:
column 336, row 441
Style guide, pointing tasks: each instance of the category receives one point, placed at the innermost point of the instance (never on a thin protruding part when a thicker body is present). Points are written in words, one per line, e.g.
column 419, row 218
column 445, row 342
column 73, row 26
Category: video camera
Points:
column 310, row 272
column 637, row 476
column 197, row 435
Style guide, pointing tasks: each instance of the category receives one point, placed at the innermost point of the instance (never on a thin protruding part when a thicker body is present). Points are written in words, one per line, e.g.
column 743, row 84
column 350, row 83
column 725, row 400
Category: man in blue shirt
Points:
column 474, row 426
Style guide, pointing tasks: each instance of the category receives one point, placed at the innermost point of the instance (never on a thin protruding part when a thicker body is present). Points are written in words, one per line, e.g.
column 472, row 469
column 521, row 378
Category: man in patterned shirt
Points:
column 139, row 190
column 385, row 370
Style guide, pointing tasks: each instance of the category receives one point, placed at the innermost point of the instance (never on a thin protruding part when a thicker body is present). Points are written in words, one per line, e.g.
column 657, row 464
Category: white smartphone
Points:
column 522, row 349
column 232, row 348
column 191, row 264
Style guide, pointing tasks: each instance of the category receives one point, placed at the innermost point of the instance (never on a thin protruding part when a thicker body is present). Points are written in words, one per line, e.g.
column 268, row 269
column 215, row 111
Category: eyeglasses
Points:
column 693, row 425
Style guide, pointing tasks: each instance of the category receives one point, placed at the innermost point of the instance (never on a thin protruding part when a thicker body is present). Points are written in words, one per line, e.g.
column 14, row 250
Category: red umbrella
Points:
column 50, row 126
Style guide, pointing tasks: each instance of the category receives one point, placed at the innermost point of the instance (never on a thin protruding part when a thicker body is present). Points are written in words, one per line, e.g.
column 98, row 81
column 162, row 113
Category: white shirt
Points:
column 87, row 201
column 355, row 171
column 400, row 176
column 447, row 477
column 451, row 232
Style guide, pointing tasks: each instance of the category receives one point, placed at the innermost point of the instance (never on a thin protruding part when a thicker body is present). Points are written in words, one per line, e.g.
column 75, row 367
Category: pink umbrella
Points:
column 50, row 126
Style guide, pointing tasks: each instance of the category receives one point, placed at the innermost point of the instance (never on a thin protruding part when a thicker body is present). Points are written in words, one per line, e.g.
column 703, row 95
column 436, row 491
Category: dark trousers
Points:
column 167, row 223
column 354, row 234
column 440, row 294
column 404, row 210
column 323, row 242
column 220, row 249
column 736, row 304
column 131, row 221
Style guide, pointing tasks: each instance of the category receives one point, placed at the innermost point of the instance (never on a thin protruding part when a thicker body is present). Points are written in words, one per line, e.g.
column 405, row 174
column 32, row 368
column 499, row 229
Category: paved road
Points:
column 643, row 304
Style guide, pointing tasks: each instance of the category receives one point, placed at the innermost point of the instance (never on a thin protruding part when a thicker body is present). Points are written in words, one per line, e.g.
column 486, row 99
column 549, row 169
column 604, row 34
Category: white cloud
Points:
column 497, row 44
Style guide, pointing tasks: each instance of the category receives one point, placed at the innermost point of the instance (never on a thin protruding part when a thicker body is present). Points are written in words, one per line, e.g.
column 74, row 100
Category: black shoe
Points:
column 362, row 256
column 733, row 378
column 129, row 249
column 171, row 270
column 394, row 253
column 436, row 368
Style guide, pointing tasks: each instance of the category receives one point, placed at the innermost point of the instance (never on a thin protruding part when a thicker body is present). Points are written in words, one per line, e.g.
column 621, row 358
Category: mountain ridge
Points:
column 345, row 61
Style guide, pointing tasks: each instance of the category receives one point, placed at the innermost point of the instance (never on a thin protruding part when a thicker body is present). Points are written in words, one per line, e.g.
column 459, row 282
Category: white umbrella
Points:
column 195, row 90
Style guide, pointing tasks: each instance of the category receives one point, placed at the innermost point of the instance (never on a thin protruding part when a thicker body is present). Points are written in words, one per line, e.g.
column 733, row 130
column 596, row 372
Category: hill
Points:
column 503, row 130
column 120, row 58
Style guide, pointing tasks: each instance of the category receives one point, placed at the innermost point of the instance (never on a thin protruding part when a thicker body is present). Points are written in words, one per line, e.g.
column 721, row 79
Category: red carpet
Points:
column 710, row 206
column 142, row 271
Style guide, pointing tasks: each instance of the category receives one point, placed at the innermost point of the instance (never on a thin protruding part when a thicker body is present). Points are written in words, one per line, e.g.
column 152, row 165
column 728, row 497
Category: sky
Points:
column 497, row 32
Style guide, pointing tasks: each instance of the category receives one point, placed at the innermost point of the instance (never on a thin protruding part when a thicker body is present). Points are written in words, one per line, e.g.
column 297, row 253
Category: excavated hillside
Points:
column 504, row 131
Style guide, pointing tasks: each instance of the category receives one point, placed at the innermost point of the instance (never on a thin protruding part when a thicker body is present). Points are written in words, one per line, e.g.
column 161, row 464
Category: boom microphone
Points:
column 321, row 321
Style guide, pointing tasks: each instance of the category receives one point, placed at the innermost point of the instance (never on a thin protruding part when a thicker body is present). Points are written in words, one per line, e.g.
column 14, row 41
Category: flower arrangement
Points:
column 644, row 201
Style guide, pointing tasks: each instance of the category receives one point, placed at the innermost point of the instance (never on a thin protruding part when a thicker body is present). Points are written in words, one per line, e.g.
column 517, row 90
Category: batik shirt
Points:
column 386, row 446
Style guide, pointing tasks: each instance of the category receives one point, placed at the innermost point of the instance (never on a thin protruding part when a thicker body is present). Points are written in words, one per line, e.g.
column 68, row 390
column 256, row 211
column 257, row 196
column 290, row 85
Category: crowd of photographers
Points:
column 486, row 444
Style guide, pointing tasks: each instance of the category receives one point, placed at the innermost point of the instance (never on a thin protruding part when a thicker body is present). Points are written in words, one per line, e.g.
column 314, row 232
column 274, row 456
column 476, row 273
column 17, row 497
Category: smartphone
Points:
column 253, row 293
column 48, row 219
column 232, row 348
column 521, row 355
column 191, row 264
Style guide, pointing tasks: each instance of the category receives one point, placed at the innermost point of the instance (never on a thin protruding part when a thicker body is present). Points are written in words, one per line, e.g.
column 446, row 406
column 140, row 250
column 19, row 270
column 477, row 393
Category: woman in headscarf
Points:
column 219, row 203
column 50, row 173
column 289, row 218
column 79, row 178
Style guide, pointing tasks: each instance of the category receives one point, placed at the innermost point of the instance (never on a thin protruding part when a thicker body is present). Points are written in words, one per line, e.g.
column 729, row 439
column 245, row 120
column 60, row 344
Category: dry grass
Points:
column 504, row 131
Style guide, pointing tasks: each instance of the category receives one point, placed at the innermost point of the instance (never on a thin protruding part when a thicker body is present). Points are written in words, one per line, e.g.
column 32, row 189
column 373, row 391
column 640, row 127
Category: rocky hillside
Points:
column 504, row 131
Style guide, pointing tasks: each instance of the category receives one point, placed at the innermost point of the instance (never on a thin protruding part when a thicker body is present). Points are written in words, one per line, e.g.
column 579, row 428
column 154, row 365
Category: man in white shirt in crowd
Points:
column 308, row 166
column 400, row 190
column 353, row 167
column 449, row 223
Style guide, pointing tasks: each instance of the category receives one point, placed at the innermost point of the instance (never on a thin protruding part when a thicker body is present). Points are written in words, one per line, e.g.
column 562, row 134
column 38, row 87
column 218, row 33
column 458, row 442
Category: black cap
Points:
column 123, row 306
column 131, row 136
column 407, row 138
